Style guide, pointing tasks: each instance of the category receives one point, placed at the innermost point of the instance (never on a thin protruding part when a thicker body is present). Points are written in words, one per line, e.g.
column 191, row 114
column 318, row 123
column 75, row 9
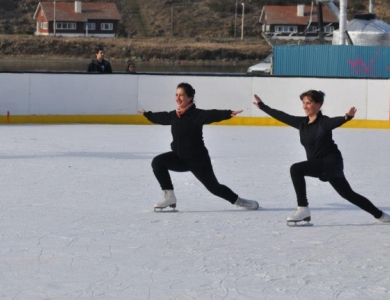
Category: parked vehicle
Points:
column 264, row 67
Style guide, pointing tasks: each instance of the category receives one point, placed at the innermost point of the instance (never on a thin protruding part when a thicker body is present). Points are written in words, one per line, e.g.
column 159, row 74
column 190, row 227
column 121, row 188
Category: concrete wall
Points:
column 95, row 98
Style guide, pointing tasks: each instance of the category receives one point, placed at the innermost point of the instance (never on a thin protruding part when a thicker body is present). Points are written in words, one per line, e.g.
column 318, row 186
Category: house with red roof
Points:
column 297, row 22
column 77, row 19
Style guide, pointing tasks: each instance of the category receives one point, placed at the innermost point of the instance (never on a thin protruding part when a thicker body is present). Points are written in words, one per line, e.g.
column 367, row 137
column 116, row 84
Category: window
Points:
column 106, row 26
column 281, row 28
column 91, row 26
column 65, row 25
column 328, row 29
column 44, row 25
column 312, row 29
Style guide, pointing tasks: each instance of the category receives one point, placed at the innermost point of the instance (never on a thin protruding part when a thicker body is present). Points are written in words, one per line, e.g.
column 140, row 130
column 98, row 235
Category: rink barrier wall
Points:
column 59, row 98
column 140, row 120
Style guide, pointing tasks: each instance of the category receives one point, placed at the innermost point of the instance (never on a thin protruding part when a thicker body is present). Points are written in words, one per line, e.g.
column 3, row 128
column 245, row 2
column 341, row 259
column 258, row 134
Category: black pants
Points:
column 314, row 168
column 201, row 168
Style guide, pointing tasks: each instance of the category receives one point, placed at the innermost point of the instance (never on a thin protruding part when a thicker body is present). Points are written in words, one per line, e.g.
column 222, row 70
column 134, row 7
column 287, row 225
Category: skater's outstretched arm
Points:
column 162, row 118
column 351, row 113
column 332, row 123
column 277, row 114
column 236, row 112
column 217, row 115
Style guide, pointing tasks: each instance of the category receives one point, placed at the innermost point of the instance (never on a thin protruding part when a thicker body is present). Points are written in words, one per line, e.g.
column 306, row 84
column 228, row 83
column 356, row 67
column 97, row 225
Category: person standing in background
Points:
column 99, row 64
column 130, row 68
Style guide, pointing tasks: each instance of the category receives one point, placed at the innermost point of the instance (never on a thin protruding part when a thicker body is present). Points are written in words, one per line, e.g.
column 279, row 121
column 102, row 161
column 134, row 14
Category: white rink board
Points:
column 157, row 93
column 378, row 97
column 340, row 94
column 122, row 94
column 14, row 95
column 82, row 94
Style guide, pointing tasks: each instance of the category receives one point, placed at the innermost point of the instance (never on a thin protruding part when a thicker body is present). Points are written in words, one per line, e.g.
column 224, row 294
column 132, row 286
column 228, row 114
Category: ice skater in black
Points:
column 188, row 150
column 324, row 159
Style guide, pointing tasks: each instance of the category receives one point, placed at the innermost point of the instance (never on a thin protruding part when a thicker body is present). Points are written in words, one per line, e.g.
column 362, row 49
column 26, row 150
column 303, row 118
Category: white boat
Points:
column 262, row 67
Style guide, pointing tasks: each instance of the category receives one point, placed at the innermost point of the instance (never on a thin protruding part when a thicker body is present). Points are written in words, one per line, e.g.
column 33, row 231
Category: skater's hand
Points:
column 234, row 113
column 351, row 113
column 258, row 100
column 141, row 112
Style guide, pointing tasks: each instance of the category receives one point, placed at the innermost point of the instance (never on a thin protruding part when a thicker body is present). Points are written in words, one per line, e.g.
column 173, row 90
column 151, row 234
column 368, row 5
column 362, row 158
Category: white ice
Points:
column 77, row 220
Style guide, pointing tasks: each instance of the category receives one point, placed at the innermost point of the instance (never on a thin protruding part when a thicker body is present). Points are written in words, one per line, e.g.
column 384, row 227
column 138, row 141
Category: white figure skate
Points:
column 169, row 200
column 385, row 218
column 302, row 214
column 248, row 204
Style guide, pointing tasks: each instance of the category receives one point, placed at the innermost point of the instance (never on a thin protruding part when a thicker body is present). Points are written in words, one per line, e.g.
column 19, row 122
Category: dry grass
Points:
column 382, row 10
column 143, row 49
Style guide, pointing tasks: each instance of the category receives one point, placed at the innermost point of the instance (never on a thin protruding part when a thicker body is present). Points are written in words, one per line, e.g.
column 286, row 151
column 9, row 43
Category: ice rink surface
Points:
column 77, row 220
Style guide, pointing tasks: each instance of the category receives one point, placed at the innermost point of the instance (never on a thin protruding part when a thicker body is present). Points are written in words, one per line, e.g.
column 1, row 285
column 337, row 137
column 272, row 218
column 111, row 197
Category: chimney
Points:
column 77, row 7
column 301, row 10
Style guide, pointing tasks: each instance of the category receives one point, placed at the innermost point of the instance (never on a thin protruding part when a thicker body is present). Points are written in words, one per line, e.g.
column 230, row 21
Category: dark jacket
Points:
column 99, row 67
column 316, row 138
column 187, row 131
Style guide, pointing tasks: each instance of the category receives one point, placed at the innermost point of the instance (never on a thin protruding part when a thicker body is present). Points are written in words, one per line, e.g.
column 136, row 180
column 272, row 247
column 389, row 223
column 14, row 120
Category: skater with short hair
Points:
column 324, row 159
column 188, row 150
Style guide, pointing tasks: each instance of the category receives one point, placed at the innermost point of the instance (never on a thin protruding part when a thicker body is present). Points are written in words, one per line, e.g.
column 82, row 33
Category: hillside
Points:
column 198, row 30
column 190, row 18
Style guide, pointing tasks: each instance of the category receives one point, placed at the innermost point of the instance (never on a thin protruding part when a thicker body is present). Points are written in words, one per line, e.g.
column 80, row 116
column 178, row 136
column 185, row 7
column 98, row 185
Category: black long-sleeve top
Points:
column 99, row 67
column 315, row 137
column 187, row 131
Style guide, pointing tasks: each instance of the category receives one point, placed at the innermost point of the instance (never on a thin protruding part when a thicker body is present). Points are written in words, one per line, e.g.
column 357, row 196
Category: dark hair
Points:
column 130, row 64
column 98, row 48
column 315, row 96
column 188, row 89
